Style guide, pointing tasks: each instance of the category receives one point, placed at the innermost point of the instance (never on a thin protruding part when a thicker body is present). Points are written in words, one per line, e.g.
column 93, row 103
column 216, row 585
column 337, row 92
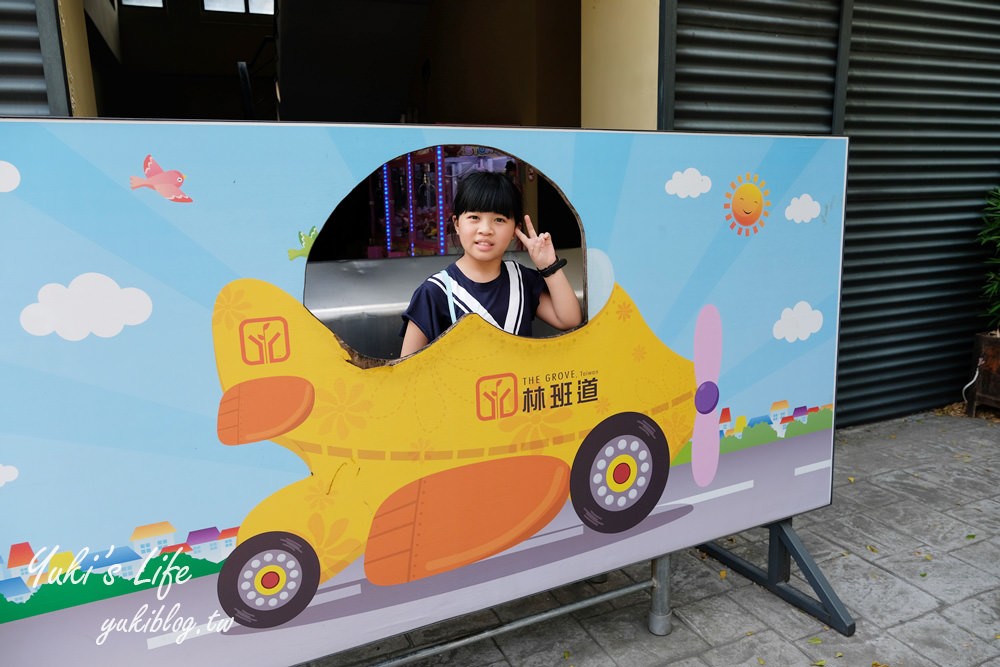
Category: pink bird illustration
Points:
column 167, row 183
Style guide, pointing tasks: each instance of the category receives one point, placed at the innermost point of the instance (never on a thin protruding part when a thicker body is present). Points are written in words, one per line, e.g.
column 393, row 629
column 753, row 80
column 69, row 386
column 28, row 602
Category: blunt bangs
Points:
column 487, row 191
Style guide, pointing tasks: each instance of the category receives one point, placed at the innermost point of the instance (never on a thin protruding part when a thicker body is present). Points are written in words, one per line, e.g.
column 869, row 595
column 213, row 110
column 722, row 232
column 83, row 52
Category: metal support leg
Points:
column 783, row 545
column 659, row 610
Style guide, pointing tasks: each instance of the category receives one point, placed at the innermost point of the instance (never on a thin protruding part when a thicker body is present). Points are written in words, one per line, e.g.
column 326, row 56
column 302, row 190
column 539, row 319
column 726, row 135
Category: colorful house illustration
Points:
column 19, row 559
column 227, row 540
column 183, row 548
column 127, row 560
column 14, row 590
column 205, row 544
column 739, row 426
column 725, row 422
column 781, row 415
column 801, row 414
column 59, row 564
column 152, row 536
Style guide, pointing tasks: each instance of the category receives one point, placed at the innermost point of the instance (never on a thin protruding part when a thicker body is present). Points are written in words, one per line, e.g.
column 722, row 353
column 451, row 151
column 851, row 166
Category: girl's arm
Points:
column 559, row 308
column 413, row 340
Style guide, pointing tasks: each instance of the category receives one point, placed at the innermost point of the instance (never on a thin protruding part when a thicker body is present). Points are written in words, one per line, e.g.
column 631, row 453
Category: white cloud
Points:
column 688, row 183
column 93, row 303
column 7, row 474
column 802, row 209
column 10, row 177
column 798, row 323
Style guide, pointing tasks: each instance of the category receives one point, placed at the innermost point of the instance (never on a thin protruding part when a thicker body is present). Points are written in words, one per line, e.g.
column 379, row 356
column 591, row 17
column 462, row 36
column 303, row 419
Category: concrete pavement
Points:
column 911, row 544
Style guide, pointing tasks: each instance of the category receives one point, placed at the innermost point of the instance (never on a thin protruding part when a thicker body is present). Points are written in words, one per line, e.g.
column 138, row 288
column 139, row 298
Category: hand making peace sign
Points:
column 539, row 246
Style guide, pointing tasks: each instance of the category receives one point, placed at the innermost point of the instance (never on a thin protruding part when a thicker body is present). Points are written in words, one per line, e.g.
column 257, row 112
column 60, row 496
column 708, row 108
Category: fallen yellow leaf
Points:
column 851, row 480
column 760, row 661
column 819, row 663
column 838, row 654
column 872, row 548
column 815, row 640
column 723, row 574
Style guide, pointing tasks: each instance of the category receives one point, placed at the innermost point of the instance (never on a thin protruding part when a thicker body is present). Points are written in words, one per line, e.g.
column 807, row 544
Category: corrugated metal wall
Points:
column 915, row 84
column 764, row 66
column 32, row 79
column 923, row 105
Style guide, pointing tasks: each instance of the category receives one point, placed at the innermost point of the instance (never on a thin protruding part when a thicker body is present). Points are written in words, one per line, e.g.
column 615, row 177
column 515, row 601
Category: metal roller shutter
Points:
column 766, row 66
column 923, row 102
column 32, row 79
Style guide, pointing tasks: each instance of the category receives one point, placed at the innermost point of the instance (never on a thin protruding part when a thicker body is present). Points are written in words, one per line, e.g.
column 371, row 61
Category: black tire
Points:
column 619, row 472
column 268, row 580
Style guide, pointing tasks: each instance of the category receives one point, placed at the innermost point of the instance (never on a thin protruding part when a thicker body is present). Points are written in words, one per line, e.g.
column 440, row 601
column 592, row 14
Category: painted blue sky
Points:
column 124, row 426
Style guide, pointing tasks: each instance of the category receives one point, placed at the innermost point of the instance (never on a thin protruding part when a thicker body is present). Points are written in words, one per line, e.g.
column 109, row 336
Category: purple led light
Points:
column 409, row 192
column 440, row 171
column 388, row 220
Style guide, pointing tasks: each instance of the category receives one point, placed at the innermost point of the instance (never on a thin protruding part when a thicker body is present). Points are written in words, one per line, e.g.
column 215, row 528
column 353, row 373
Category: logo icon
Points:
column 264, row 340
column 496, row 396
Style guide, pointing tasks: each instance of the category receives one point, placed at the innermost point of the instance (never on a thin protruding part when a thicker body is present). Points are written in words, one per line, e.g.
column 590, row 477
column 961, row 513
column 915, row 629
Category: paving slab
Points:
column 979, row 615
column 937, row 638
column 968, row 476
column 868, row 537
column 876, row 594
column 984, row 514
column 625, row 637
column 719, row 619
column 559, row 641
column 764, row 648
column 984, row 555
column 870, row 645
column 934, row 494
column 940, row 574
column 777, row 614
column 693, row 578
column 935, row 529
column 864, row 493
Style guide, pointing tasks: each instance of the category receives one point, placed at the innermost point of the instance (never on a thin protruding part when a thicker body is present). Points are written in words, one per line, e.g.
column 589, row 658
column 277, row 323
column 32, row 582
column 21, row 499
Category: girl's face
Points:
column 484, row 235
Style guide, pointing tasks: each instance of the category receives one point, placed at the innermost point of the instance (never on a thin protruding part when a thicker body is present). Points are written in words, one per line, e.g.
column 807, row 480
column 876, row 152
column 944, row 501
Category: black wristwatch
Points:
column 552, row 268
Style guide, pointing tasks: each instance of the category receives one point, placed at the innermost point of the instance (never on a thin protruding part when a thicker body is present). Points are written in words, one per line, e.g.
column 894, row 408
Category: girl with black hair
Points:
column 486, row 216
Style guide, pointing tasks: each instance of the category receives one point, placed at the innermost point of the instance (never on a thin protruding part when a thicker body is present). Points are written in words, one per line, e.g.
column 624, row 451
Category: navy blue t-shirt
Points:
column 508, row 302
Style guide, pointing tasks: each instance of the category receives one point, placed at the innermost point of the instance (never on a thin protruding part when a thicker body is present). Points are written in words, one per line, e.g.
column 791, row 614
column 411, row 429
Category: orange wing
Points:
column 459, row 516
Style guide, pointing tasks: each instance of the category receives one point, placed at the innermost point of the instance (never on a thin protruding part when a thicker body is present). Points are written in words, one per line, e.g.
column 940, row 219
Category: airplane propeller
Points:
column 707, row 361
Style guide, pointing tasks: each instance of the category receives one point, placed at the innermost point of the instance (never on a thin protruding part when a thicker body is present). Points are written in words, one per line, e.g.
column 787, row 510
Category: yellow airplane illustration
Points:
column 453, row 454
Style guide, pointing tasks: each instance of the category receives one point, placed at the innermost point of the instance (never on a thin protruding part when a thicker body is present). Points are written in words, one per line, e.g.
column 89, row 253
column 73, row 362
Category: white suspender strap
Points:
column 469, row 303
column 513, row 320
column 448, row 289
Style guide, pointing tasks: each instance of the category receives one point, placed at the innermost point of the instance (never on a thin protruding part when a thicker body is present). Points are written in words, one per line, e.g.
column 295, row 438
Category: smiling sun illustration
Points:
column 747, row 204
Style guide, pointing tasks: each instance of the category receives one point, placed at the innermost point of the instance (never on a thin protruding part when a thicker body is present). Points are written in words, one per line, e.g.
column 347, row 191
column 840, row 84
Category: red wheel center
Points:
column 621, row 473
column 270, row 580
